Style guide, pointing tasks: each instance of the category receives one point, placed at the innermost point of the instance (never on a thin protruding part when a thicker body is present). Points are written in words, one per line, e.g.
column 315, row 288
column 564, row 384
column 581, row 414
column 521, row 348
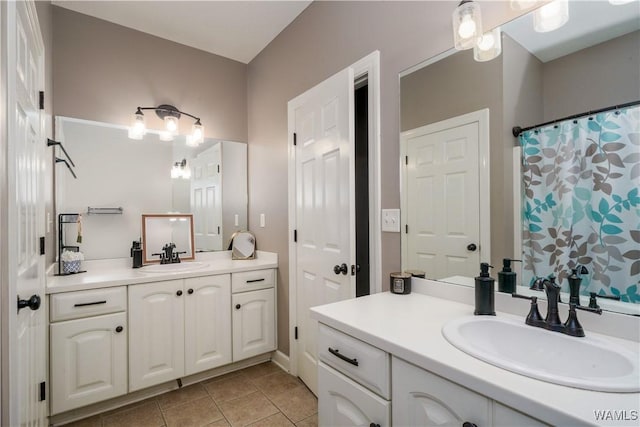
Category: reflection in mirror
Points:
column 243, row 245
column 210, row 181
column 592, row 62
column 167, row 238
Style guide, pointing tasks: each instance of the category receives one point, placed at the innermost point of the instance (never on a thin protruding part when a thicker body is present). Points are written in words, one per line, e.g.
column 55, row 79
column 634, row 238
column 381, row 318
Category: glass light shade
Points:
column 186, row 172
column 176, row 172
column 488, row 46
column 197, row 133
column 467, row 25
column 171, row 124
column 522, row 4
column 166, row 135
column 138, row 128
column 551, row 16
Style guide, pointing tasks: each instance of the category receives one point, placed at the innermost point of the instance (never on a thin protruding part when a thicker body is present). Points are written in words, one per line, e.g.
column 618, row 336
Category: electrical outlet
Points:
column 391, row 220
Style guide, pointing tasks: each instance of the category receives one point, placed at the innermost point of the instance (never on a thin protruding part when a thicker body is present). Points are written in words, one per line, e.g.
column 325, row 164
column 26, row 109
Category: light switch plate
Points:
column 391, row 220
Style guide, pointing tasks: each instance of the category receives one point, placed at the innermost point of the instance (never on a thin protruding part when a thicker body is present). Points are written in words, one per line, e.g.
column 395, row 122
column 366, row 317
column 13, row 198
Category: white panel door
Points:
column 343, row 402
column 88, row 361
column 207, row 332
column 206, row 199
column 254, row 323
column 421, row 398
column 156, row 333
column 324, row 208
column 25, row 213
column 442, row 201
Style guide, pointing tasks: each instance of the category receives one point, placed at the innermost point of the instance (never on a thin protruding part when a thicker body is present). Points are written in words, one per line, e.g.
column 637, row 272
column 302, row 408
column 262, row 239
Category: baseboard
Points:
column 280, row 359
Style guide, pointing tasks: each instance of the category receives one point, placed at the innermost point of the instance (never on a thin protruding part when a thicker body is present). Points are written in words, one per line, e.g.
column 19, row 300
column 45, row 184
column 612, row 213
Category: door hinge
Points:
column 295, row 332
column 406, row 160
column 355, row 268
column 218, row 168
column 406, row 228
column 42, row 245
column 295, row 139
column 41, row 100
column 43, row 391
column 295, row 235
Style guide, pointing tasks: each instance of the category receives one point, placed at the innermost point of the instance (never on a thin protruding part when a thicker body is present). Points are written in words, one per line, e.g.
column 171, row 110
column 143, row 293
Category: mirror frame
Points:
column 146, row 260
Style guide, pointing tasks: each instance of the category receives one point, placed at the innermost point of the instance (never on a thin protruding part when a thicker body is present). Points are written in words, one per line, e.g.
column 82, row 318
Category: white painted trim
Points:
column 280, row 359
column 517, row 204
column 482, row 118
column 370, row 65
column 427, row 62
column 4, row 244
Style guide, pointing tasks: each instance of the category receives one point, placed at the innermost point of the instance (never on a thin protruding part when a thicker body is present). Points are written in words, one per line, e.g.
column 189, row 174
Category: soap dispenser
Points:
column 507, row 277
column 485, row 292
column 136, row 254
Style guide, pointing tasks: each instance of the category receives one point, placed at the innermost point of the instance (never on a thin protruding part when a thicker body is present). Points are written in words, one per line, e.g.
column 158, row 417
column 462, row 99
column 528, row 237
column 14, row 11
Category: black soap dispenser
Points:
column 507, row 277
column 136, row 254
column 485, row 292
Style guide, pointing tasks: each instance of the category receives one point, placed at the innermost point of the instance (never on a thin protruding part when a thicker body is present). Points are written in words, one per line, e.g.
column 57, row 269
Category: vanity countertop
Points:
column 409, row 327
column 116, row 272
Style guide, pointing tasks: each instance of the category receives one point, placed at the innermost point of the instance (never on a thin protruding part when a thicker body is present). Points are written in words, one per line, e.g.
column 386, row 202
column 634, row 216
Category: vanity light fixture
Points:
column 171, row 116
column 181, row 170
column 488, row 46
column 551, row 16
column 467, row 24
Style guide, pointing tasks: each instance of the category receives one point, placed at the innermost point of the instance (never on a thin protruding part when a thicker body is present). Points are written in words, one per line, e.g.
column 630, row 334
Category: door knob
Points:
column 238, row 306
column 33, row 303
column 119, row 329
column 472, row 247
column 179, row 293
column 190, row 291
column 341, row 269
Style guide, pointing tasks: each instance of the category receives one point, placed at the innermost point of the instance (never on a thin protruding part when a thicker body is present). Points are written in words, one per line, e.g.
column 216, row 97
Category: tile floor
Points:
column 259, row 396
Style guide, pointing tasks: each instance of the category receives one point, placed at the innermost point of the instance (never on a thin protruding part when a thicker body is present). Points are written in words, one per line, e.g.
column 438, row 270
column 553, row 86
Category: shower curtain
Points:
column 581, row 202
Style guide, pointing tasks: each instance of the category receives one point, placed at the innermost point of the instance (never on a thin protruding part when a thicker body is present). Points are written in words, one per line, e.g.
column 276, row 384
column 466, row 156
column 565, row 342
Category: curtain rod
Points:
column 517, row 130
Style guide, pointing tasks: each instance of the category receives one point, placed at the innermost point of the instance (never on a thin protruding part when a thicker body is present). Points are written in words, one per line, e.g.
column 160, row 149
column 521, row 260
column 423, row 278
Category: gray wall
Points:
column 103, row 71
column 593, row 78
column 325, row 38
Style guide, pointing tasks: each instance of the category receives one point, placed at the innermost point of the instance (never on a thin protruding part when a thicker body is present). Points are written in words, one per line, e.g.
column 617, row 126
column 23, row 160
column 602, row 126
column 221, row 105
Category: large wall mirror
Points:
column 147, row 176
column 450, row 104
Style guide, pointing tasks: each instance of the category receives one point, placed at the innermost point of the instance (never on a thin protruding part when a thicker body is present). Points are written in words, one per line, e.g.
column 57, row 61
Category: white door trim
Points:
column 4, row 244
column 482, row 118
column 517, row 203
column 369, row 65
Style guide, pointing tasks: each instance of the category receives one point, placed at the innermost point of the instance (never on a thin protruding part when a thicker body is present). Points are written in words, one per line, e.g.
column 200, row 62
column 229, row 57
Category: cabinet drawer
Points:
column 73, row 305
column 342, row 402
column 253, row 280
column 360, row 361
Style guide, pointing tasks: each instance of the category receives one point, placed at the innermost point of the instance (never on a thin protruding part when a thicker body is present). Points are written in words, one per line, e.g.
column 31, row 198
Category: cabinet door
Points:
column 421, row 398
column 88, row 361
column 504, row 416
column 156, row 335
column 343, row 402
column 254, row 329
column 207, row 323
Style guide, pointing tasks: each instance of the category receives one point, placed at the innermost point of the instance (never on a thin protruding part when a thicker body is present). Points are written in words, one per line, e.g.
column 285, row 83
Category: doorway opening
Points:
column 361, row 116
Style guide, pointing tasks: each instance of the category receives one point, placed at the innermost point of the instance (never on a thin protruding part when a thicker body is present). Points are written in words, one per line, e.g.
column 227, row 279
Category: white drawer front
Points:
column 74, row 305
column 253, row 280
column 362, row 362
column 342, row 402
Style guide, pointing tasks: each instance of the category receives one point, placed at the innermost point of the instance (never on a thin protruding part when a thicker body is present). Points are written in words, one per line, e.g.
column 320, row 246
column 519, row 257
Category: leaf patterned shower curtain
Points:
column 581, row 202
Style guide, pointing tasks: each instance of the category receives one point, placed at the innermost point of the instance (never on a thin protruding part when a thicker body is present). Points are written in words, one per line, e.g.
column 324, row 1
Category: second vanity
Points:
column 117, row 331
column 383, row 360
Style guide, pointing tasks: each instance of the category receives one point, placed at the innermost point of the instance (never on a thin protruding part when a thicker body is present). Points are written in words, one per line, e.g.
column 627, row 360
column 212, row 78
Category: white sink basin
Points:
column 588, row 363
column 180, row 267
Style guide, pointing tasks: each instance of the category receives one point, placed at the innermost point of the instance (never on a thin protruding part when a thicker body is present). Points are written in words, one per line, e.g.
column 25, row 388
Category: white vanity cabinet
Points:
column 253, row 318
column 353, row 381
column 88, row 340
column 178, row 328
column 421, row 398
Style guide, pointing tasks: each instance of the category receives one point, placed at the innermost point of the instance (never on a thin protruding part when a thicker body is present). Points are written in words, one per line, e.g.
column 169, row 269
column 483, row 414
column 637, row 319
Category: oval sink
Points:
column 180, row 267
column 588, row 363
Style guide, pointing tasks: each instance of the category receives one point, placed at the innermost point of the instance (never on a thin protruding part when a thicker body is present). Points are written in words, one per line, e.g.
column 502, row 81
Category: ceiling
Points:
column 234, row 29
column 590, row 23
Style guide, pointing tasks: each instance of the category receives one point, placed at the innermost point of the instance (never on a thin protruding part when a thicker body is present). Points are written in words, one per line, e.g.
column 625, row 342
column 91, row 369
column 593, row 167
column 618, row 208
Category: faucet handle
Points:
column 593, row 302
column 572, row 326
column 534, row 318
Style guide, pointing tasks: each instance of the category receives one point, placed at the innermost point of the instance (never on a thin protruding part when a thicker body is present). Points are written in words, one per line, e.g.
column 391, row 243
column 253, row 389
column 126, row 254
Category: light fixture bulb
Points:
column 171, row 124
column 488, row 46
column 175, row 171
column 467, row 25
column 551, row 16
column 186, row 172
column 138, row 128
column 197, row 132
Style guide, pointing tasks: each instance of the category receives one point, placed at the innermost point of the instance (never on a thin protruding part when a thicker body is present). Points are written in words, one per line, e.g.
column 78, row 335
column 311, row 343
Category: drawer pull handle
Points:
column 119, row 329
column 238, row 306
column 84, row 304
column 255, row 280
column 374, row 425
column 336, row 353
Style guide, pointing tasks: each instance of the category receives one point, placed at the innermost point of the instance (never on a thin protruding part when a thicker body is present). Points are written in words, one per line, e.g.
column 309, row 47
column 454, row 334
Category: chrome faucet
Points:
column 552, row 321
